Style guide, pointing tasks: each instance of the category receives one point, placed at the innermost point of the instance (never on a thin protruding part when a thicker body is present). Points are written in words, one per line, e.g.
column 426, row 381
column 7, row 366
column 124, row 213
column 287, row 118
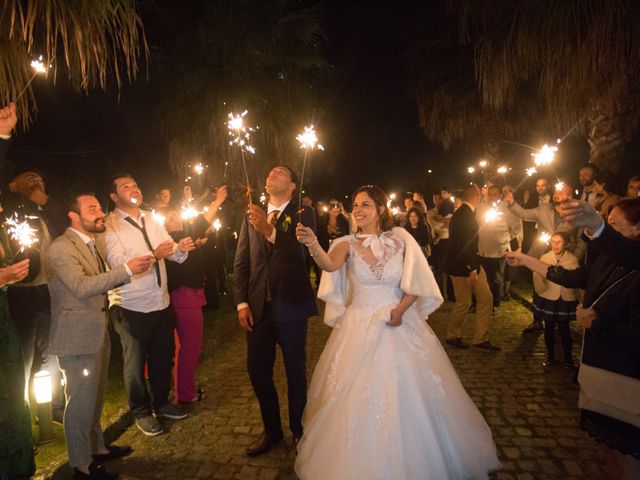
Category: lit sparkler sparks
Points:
column 483, row 163
column 198, row 168
column 545, row 155
column 471, row 170
column 531, row 171
column 240, row 134
column 21, row 231
column 263, row 198
column 392, row 196
column 217, row 225
column 38, row 67
column 559, row 186
column 308, row 139
column 545, row 237
column 188, row 213
column 157, row 217
column 502, row 170
column 492, row 214
column 395, row 211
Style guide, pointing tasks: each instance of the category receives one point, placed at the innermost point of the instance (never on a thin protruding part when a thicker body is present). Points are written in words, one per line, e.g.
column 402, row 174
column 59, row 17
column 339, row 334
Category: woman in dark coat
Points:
column 612, row 335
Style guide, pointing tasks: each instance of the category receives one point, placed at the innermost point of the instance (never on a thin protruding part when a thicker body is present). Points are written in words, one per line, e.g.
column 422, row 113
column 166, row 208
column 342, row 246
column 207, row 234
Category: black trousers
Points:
column 565, row 337
column 494, row 267
column 146, row 338
column 30, row 310
column 261, row 356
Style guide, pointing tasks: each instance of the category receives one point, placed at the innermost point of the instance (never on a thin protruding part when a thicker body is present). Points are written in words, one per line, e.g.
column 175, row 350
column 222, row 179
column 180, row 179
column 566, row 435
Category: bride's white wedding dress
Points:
column 385, row 402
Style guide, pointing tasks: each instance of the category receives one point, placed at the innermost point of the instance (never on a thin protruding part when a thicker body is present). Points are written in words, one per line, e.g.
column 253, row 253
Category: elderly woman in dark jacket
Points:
column 612, row 336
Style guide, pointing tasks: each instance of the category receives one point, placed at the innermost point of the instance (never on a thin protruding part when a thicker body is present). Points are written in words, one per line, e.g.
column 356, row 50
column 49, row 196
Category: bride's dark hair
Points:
column 378, row 196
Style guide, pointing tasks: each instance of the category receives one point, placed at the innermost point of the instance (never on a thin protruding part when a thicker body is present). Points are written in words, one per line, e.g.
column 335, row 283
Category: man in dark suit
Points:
column 467, row 275
column 274, row 299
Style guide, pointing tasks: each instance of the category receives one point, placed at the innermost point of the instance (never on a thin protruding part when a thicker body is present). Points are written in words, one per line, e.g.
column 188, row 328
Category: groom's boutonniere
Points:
column 286, row 223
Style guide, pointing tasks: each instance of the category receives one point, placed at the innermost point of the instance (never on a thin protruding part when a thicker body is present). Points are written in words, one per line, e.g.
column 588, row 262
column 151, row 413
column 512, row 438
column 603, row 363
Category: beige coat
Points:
column 553, row 291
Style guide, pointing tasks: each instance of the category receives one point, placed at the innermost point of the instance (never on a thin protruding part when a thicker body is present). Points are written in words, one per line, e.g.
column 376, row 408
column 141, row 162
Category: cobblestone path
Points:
column 532, row 412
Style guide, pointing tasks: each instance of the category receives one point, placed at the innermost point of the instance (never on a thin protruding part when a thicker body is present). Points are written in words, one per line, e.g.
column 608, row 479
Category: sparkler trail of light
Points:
column 21, row 231
column 308, row 141
column 38, row 67
column 240, row 134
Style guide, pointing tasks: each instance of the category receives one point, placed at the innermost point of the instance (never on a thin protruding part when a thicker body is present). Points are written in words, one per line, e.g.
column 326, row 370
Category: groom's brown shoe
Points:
column 263, row 444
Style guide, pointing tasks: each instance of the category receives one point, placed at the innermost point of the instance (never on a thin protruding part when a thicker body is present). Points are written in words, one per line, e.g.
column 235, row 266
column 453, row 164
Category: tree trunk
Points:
column 611, row 126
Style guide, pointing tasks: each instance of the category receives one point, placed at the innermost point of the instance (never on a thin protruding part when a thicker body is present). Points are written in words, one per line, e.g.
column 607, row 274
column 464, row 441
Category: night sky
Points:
column 366, row 116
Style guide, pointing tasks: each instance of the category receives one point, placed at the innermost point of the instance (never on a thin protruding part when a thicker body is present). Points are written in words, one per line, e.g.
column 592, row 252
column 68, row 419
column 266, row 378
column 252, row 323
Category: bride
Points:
column 384, row 401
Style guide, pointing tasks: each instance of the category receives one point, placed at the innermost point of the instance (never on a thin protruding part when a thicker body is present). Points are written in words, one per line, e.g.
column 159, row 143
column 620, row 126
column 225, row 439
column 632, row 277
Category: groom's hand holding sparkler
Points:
column 8, row 119
column 258, row 218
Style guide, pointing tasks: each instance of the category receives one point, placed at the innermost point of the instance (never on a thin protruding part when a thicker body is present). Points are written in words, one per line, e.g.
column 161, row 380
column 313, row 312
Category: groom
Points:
column 274, row 300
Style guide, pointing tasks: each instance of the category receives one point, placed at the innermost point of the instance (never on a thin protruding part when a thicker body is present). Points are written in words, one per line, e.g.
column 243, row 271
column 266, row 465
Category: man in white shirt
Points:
column 497, row 227
column 141, row 312
column 586, row 176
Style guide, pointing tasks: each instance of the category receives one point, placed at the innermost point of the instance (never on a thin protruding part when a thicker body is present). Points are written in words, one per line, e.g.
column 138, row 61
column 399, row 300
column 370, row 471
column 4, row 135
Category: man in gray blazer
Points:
column 78, row 281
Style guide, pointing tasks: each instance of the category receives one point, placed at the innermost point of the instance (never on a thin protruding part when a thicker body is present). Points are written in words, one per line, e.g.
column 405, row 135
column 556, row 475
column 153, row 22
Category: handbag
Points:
column 606, row 392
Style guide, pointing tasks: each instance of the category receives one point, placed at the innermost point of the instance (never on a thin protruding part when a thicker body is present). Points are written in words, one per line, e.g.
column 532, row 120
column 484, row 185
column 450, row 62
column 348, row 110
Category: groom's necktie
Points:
column 274, row 217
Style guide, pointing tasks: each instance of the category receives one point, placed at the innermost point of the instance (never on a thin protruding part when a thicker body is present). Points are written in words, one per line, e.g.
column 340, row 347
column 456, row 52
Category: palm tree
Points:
column 582, row 56
column 450, row 109
column 90, row 42
column 228, row 56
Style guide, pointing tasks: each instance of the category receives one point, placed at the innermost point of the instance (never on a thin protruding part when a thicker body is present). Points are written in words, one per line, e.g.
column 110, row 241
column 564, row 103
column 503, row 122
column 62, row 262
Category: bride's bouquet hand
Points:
column 396, row 318
column 305, row 235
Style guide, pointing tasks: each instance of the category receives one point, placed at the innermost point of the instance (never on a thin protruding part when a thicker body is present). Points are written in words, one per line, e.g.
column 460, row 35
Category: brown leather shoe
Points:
column 263, row 444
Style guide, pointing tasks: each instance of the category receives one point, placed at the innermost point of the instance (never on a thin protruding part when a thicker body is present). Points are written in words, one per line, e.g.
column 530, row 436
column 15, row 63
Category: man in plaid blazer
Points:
column 78, row 281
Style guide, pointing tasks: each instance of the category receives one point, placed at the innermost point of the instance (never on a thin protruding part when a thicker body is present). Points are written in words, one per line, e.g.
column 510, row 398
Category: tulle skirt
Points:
column 386, row 403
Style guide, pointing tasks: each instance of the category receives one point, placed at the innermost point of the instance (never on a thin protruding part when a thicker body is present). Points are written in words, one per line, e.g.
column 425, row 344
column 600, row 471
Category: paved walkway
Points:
column 532, row 412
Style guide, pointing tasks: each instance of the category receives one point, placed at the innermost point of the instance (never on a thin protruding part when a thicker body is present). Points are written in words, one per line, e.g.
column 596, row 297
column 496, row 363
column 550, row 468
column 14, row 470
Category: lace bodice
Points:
column 375, row 279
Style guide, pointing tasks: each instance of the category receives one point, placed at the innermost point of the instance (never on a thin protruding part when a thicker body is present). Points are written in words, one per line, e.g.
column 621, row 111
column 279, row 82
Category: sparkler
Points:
column 392, row 196
column 240, row 134
column 198, row 168
column 308, row 141
column 545, row 237
column 22, row 232
column 471, row 170
column 483, row 163
column 395, row 211
column 502, row 170
column 263, row 198
column 559, row 186
column 157, row 217
column 492, row 214
column 38, row 67
column 531, row 171
column 545, row 155
column 217, row 225
column 188, row 212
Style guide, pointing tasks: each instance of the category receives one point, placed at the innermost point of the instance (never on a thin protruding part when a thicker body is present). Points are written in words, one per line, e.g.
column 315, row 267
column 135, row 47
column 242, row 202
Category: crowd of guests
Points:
column 149, row 271
column 142, row 268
